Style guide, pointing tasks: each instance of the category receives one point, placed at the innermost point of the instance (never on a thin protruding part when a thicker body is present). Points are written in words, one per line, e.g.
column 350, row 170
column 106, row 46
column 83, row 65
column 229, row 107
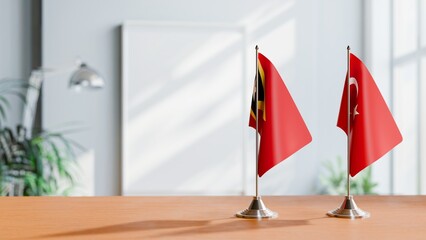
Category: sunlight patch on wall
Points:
column 406, row 117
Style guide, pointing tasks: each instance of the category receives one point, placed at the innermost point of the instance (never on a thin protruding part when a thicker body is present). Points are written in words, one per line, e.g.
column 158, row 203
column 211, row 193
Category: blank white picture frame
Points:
column 183, row 108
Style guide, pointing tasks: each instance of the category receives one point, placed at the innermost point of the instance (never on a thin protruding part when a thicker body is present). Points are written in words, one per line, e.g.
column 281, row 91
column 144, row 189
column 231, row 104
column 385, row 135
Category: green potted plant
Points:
column 40, row 164
column 333, row 181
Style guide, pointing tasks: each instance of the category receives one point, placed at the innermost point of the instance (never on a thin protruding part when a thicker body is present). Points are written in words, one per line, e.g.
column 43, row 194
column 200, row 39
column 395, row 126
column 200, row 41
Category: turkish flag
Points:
column 373, row 130
column 281, row 127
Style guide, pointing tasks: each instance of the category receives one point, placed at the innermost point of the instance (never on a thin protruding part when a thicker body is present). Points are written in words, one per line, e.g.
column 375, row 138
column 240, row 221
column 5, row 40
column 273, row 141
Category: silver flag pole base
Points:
column 257, row 209
column 348, row 209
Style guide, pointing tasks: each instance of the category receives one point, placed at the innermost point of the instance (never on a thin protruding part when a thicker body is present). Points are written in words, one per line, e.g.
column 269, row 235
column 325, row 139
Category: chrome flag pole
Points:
column 257, row 208
column 348, row 209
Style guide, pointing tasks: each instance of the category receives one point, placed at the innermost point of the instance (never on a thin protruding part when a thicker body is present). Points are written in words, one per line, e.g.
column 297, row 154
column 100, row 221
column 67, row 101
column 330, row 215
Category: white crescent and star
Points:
column 353, row 81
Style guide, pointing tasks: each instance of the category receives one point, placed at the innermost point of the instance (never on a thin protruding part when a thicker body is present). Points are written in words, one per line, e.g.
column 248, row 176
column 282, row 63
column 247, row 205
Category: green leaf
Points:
column 4, row 101
column 30, row 180
column 2, row 113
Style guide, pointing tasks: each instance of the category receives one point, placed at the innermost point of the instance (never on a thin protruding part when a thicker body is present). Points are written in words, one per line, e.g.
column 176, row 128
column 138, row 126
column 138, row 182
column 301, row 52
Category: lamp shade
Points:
column 86, row 77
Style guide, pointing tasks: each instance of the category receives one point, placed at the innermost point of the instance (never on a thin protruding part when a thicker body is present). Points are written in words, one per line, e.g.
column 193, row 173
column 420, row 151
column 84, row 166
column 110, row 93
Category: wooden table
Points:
column 300, row 217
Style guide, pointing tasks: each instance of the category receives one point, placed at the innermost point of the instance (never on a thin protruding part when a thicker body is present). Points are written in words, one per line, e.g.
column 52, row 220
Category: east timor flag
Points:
column 261, row 97
column 281, row 127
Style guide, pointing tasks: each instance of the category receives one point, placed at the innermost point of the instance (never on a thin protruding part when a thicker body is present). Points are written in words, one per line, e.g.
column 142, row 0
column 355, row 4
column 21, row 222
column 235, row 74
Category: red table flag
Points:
column 281, row 127
column 373, row 129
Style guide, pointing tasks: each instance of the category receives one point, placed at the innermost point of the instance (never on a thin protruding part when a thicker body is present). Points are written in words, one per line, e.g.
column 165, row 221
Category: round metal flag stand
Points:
column 348, row 209
column 257, row 209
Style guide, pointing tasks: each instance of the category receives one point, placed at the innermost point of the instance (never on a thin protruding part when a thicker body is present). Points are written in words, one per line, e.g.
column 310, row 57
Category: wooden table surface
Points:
column 300, row 217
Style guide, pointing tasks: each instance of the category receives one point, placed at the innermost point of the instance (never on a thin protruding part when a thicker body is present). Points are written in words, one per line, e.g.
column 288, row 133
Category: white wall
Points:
column 15, row 48
column 393, row 43
column 305, row 39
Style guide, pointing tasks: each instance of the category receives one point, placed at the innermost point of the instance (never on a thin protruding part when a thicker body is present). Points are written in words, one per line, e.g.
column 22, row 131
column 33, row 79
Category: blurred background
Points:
column 172, row 117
